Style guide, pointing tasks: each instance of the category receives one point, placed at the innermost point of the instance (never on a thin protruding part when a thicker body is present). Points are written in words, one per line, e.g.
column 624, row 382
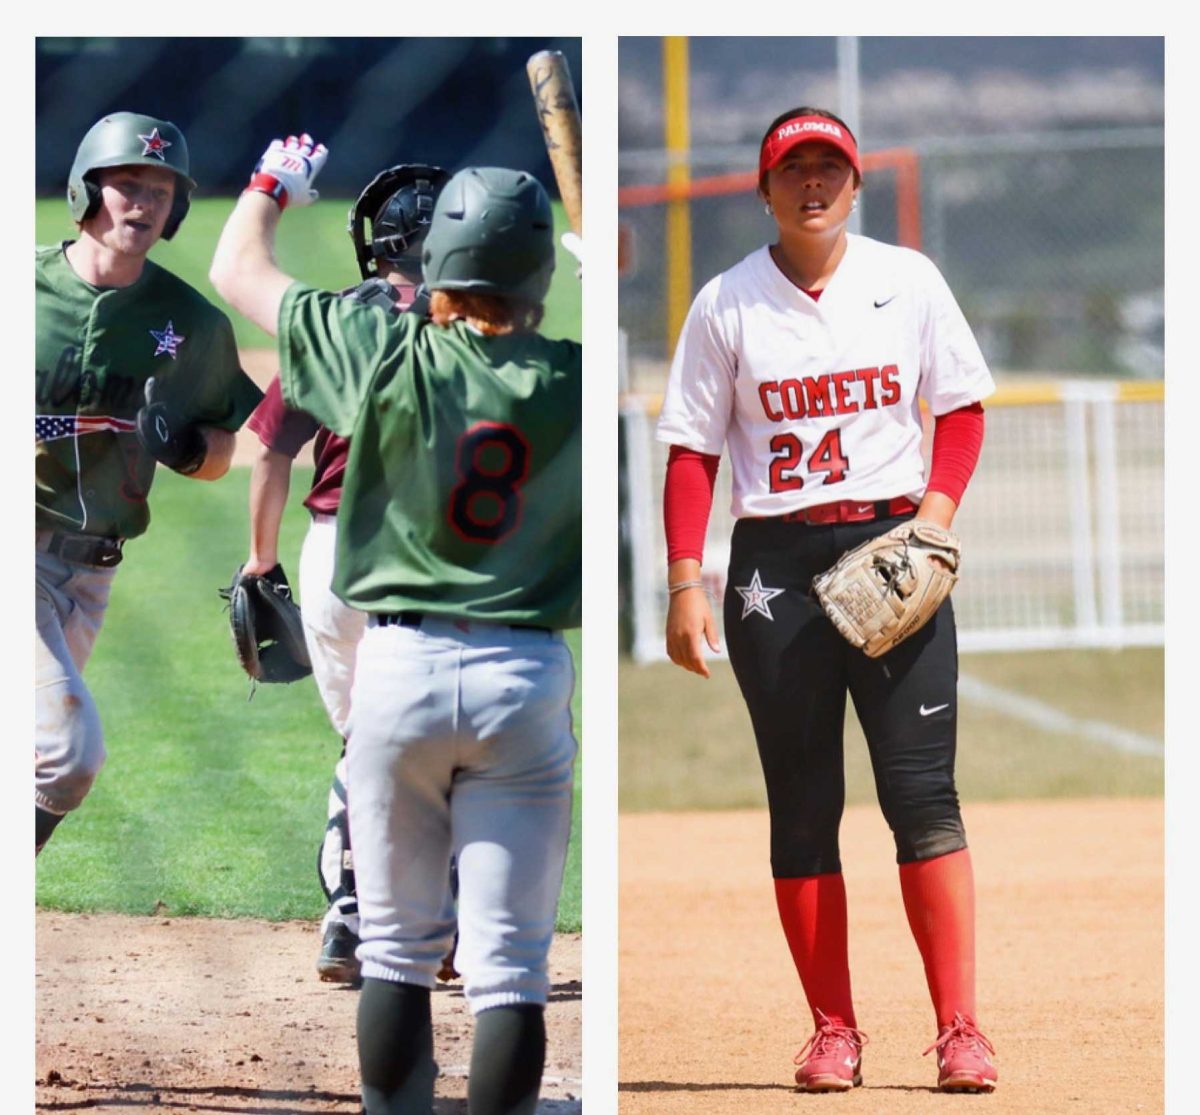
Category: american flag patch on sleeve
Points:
column 51, row 427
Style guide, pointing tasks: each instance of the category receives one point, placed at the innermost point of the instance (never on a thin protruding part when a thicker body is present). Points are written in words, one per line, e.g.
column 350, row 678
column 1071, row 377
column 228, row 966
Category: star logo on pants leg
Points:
column 755, row 597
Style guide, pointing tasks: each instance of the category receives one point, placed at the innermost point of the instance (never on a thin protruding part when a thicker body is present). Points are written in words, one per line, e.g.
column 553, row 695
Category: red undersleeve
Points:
column 957, row 438
column 687, row 501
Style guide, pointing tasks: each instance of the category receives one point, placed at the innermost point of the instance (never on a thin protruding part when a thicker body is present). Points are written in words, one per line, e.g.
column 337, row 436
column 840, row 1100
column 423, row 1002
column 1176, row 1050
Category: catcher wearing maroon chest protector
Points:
column 809, row 361
column 387, row 225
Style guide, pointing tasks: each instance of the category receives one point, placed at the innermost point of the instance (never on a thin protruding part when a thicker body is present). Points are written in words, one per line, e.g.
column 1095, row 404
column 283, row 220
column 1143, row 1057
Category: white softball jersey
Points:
column 819, row 401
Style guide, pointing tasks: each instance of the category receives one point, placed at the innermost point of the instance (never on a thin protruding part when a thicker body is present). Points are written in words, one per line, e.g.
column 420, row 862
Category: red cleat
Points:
column 964, row 1064
column 831, row 1060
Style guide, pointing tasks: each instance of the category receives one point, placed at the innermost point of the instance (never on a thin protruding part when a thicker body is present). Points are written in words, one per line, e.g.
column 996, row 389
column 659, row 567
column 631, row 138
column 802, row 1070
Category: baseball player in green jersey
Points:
column 397, row 205
column 134, row 369
column 459, row 535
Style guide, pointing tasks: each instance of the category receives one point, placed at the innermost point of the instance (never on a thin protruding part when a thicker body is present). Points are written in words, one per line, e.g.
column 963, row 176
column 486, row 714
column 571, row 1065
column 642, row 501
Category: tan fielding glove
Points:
column 879, row 593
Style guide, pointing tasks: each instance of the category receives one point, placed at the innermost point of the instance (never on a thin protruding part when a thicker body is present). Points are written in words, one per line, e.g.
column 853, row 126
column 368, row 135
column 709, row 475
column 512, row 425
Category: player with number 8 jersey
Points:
column 465, row 426
column 459, row 535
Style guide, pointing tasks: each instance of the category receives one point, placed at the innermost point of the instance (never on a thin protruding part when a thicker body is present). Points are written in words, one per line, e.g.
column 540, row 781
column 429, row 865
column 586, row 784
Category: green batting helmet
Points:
column 493, row 233
column 129, row 139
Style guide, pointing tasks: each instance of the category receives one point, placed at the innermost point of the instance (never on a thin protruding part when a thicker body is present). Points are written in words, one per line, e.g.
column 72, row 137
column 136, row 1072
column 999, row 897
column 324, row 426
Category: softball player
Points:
column 398, row 203
column 459, row 534
column 808, row 360
column 110, row 322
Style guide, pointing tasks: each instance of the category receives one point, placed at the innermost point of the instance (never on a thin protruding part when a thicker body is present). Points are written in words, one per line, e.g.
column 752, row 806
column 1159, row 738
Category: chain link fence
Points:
column 1053, row 245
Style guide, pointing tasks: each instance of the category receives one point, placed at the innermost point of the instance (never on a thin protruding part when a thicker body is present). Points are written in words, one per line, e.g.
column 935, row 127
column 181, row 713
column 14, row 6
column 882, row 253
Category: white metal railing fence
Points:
column 1062, row 525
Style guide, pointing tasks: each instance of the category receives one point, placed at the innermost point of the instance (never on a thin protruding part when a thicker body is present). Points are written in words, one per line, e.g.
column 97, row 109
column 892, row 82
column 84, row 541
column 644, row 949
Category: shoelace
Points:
column 826, row 1036
column 961, row 1031
column 897, row 573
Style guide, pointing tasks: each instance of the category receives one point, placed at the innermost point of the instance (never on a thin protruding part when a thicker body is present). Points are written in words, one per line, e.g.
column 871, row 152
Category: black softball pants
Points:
column 795, row 670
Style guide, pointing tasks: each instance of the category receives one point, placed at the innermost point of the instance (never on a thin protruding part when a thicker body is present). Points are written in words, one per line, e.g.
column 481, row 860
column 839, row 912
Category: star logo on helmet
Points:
column 168, row 340
column 756, row 598
column 155, row 144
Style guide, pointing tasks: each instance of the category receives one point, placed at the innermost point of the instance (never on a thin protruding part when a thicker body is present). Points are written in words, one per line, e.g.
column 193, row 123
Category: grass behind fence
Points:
column 686, row 743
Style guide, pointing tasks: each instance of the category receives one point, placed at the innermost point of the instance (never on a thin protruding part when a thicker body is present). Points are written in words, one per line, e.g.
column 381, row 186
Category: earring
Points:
column 854, row 205
column 768, row 210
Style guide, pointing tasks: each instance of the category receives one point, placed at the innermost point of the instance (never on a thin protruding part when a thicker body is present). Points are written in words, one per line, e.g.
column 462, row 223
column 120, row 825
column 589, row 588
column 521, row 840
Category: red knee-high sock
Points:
column 813, row 912
column 939, row 898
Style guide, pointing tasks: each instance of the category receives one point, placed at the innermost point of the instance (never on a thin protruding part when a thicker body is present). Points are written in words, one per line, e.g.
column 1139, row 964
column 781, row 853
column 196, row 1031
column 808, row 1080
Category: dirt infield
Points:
column 228, row 1016
column 1070, row 963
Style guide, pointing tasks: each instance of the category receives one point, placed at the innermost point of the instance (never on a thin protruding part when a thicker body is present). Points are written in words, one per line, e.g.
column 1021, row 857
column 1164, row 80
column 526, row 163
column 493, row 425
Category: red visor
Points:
column 806, row 129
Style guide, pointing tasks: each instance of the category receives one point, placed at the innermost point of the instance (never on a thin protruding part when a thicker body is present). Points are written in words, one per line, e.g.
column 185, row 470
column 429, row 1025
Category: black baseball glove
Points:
column 166, row 435
column 266, row 627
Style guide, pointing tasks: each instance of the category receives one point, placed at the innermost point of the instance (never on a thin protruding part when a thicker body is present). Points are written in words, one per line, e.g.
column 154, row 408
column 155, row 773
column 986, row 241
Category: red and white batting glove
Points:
column 287, row 169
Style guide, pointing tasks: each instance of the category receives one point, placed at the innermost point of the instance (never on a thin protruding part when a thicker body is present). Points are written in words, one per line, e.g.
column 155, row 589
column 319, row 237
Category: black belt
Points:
column 83, row 549
column 413, row 619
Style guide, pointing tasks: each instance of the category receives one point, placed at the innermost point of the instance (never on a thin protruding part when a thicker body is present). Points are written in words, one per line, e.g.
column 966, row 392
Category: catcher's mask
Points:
column 399, row 204
column 493, row 233
column 129, row 139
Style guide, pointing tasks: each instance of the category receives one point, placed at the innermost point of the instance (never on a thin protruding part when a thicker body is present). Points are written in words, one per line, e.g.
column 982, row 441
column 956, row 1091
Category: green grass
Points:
column 686, row 743
column 209, row 804
column 313, row 245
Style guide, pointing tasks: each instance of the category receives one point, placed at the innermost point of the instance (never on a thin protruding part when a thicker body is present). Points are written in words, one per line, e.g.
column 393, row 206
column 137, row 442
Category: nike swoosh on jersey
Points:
column 881, row 302
column 936, row 708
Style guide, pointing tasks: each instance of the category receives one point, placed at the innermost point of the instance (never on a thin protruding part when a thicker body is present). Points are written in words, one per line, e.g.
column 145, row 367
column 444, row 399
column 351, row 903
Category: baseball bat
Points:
column 558, row 113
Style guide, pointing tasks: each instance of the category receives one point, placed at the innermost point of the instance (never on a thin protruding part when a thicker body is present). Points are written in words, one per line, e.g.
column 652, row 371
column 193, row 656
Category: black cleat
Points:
column 337, row 962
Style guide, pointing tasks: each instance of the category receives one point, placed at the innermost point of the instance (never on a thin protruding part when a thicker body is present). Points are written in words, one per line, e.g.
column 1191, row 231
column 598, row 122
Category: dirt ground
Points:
column 1069, row 958
column 229, row 1016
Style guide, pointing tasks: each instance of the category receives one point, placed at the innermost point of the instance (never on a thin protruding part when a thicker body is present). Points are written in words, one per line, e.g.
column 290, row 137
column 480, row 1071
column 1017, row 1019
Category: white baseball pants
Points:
column 332, row 631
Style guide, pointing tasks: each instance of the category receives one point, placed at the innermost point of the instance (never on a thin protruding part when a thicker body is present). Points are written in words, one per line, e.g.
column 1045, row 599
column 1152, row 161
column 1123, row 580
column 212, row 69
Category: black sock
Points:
column 44, row 824
column 507, row 1060
column 395, row 1048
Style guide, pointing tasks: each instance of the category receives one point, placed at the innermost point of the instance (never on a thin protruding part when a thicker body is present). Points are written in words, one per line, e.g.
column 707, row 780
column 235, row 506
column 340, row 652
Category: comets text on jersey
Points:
column 831, row 394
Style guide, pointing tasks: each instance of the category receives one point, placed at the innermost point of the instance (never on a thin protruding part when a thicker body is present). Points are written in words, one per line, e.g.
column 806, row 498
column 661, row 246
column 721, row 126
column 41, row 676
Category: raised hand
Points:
column 287, row 169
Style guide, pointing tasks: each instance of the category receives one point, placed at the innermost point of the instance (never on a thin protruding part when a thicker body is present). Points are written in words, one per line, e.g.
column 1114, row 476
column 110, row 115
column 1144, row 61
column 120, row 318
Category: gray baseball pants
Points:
column 68, row 739
column 460, row 741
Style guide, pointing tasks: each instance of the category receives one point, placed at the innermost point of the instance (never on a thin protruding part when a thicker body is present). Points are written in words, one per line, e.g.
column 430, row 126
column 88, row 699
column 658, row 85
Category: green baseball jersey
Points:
column 96, row 347
column 462, row 495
